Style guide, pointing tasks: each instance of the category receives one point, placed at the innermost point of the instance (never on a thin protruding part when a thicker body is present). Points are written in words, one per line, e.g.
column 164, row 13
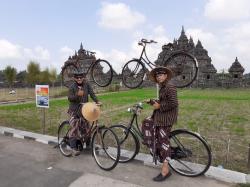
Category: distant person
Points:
column 164, row 116
column 78, row 93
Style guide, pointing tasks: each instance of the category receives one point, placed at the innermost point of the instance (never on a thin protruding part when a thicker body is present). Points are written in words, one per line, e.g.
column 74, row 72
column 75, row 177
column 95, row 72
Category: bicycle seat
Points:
column 140, row 43
column 146, row 41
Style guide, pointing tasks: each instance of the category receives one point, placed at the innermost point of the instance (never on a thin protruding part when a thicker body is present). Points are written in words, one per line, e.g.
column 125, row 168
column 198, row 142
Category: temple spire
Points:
column 182, row 30
column 236, row 59
column 199, row 45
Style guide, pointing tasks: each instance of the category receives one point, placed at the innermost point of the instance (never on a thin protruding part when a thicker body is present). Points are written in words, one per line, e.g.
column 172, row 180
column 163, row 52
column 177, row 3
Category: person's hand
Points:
column 150, row 101
column 80, row 93
column 156, row 106
column 99, row 103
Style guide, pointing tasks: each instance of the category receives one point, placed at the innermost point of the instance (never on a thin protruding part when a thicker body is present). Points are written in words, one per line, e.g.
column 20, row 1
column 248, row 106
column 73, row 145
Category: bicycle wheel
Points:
column 190, row 154
column 133, row 73
column 68, row 74
column 184, row 67
column 63, row 139
column 105, row 148
column 102, row 73
column 129, row 143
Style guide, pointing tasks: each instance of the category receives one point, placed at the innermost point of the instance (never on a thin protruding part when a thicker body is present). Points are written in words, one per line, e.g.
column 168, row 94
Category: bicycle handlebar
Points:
column 136, row 108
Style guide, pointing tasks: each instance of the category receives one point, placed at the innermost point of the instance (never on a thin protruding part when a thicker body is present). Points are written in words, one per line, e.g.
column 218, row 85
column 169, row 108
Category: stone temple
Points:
column 207, row 73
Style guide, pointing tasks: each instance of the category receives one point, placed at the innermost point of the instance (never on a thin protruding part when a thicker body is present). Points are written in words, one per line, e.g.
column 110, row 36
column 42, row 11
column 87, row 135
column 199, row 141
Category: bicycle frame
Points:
column 90, row 67
column 135, row 127
column 145, row 60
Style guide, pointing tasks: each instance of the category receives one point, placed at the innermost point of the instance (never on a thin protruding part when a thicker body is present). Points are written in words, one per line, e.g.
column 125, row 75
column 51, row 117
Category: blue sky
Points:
column 49, row 31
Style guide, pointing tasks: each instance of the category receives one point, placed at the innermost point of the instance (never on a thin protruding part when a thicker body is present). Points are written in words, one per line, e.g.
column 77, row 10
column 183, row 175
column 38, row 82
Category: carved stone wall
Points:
column 207, row 73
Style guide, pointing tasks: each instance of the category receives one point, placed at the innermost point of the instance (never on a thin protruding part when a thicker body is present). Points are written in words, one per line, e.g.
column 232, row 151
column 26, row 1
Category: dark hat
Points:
column 79, row 74
column 160, row 70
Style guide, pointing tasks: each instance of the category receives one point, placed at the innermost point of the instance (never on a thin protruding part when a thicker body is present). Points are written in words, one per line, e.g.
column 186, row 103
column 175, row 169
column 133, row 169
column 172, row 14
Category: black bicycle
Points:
column 105, row 144
column 183, row 65
column 101, row 71
column 190, row 153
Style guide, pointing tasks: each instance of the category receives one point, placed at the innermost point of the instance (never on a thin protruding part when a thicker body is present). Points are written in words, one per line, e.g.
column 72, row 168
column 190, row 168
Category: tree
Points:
column 45, row 76
column 21, row 76
column 2, row 78
column 10, row 75
column 53, row 76
column 33, row 73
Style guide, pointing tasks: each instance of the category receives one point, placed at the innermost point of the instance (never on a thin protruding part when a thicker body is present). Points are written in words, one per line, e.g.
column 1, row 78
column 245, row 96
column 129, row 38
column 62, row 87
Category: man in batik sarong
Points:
column 78, row 94
column 164, row 116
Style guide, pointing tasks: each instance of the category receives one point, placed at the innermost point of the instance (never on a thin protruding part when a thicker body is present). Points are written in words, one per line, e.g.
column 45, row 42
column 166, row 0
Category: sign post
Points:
column 157, row 91
column 42, row 100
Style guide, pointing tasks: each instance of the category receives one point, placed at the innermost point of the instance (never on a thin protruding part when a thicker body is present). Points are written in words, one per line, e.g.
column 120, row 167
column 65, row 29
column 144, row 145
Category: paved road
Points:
column 28, row 163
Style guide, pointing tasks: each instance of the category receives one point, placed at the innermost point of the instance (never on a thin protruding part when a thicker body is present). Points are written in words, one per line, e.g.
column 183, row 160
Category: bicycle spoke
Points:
column 105, row 148
column 102, row 73
column 184, row 164
column 129, row 143
column 190, row 154
column 67, row 74
column 184, row 68
column 133, row 74
column 63, row 139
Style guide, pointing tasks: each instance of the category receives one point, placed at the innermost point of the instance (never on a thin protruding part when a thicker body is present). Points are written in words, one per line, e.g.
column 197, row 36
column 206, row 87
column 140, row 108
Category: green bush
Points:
column 114, row 88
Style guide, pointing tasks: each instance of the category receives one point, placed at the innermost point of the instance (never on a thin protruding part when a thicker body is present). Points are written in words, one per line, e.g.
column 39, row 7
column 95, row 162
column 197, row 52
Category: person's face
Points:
column 79, row 80
column 161, row 77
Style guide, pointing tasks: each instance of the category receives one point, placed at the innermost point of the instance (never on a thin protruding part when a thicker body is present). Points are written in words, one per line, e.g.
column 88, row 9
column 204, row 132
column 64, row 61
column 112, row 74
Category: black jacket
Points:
column 75, row 100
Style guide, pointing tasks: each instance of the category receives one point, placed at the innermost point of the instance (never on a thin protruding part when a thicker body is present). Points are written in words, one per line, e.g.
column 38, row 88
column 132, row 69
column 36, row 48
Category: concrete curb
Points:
column 146, row 159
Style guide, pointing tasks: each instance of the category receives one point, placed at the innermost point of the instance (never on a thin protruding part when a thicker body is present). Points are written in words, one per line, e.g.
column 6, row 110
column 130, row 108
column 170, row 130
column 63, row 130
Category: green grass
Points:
column 243, row 185
column 220, row 115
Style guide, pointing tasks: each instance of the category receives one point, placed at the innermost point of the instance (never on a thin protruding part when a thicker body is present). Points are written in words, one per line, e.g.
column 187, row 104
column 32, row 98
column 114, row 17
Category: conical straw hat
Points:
column 91, row 111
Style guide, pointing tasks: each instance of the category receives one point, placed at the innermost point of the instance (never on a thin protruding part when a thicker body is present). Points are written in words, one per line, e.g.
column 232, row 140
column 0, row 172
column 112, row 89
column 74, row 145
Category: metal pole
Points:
column 157, row 91
column 43, row 120
column 248, row 163
column 228, row 150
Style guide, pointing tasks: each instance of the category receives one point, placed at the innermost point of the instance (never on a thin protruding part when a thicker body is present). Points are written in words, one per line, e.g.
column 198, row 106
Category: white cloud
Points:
column 118, row 58
column 227, row 9
column 9, row 50
column 119, row 16
column 224, row 45
column 115, row 57
column 38, row 53
column 65, row 52
column 18, row 56
column 207, row 38
column 238, row 38
column 42, row 53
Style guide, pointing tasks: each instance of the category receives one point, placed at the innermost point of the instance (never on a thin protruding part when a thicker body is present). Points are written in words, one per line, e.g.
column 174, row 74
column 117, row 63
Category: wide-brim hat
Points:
column 91, row 112
column 160, row 70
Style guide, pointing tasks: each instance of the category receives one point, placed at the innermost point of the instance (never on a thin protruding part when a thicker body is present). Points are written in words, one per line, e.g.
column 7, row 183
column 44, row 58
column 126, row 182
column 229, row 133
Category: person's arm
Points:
column 92, row 94
column 169, row 99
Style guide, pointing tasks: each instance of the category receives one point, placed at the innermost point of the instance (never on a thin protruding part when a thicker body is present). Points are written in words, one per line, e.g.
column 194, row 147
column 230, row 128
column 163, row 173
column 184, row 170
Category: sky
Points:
column 49, row 31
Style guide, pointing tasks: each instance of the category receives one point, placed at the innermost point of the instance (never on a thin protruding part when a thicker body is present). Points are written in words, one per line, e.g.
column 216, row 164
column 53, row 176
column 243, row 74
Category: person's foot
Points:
column 75, row 152
column 88, row 147
column 160, row 177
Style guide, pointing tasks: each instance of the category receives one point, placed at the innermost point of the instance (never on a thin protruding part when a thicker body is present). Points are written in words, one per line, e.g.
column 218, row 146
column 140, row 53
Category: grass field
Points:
column 28, row 93
column 222, row 116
